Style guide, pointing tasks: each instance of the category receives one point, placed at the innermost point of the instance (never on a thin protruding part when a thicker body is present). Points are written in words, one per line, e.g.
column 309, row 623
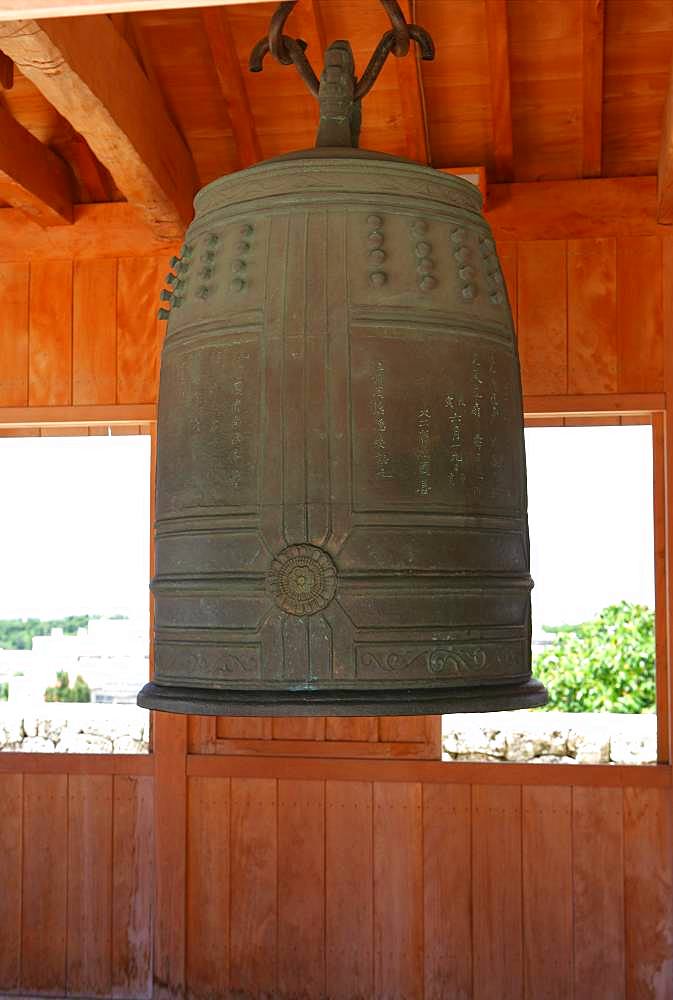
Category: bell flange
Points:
column 344, row 701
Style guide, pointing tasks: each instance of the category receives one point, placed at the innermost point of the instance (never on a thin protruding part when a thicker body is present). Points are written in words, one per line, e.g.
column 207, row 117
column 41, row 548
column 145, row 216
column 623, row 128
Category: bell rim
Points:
column 318, row 702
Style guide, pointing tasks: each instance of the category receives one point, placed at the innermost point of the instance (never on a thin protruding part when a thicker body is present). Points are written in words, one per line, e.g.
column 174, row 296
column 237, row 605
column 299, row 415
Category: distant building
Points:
column 111, row 654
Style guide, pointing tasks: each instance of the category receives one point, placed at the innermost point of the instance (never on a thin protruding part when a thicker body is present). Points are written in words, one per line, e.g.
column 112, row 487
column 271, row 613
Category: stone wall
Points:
column 74, row 728
column 551, row 737
column 544, row 737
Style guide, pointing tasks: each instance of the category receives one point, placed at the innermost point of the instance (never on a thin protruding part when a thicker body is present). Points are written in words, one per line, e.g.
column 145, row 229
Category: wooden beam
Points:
column 593, row 43
column 457, row 772
column 608, row 404
column 228, row 69
column 16, row 10
column 88, row 72
column 77, row 416
column 557, row 210
column 40, row 183
column 501, row 99
column 665, row 167
column 110, row 230
column 77, row 763
column 552, row 210
column 412, row 98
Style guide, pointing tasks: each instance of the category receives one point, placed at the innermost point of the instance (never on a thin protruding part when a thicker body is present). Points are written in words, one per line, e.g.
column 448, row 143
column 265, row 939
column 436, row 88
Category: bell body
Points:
column 341, row 522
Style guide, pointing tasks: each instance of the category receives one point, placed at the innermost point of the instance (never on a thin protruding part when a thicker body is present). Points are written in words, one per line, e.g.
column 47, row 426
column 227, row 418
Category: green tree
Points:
column 4, row 691
column 603, row 665
column 63, row 692
column 18, row 633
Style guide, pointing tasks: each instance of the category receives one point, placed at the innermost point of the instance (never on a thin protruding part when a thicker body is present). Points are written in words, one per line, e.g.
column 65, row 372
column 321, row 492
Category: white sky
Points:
column 74, row 526
column 74, row 523
column 590, row 519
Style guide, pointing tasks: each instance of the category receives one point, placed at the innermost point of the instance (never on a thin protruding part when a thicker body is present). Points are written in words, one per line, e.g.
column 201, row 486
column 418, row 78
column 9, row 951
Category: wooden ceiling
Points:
column 530, row 89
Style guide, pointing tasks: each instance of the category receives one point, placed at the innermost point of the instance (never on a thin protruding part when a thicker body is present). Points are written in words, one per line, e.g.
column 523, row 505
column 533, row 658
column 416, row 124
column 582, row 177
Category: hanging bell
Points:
column 341, row 523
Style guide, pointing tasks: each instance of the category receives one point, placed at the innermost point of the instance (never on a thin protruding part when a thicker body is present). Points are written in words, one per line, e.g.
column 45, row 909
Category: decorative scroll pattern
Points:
column 441, row 660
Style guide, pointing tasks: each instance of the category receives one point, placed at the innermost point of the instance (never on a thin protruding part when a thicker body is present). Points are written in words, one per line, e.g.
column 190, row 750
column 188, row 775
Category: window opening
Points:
column 74, row 600
column 593, row 624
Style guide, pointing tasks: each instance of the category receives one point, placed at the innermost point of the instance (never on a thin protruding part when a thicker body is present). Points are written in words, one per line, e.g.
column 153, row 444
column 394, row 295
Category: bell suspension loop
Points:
column 339, row 91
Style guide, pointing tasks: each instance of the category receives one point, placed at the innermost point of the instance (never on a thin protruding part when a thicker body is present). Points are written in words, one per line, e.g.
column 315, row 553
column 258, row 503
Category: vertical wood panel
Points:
column 547, row 893
column 639, row 314
column 243, row 728
column 648, row 893
column 133, row 886
column 598, row 893
column 89, row 942
column 208, row 887
column 398, row 891
column 301, row 888
column 298, row 729
column 364, row 729
column 402, row 728
column 139, row 332
column 659, row 517
column 349, row 890
column 253, row 885
column 94, row 332
column 11, row 811
column 45, row 879
column 496, row 892
column 50, row 362
column 447, row 880
column 592, row 316
column 542, row 317
column 14, row 286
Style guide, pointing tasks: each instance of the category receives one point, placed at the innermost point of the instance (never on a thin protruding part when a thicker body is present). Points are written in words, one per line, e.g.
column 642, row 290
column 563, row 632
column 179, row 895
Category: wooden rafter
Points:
column 228, row 69
column 6, row 72
column 501, row 100
column 37, row 180
column 313, row 9
column 412, row 98
column 665, row 168
column 593, row 32
column 88, row 72
column 20, row 9
column 94, row 182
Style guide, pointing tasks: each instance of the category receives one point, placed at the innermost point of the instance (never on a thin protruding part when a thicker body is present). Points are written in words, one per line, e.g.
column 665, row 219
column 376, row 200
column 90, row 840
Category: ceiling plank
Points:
column 412, row 97
column 34, row 178
column 593, row 46
column 228, row 69
column 665, row 168
column 18, row 10
column 501, row 98
column 87, row 71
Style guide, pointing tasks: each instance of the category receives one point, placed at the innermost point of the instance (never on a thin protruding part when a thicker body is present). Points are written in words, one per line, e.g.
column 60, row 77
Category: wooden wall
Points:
column 80, row 333
column 404, row 889
column 588, row 313
column 317, row 876
column 77, row 880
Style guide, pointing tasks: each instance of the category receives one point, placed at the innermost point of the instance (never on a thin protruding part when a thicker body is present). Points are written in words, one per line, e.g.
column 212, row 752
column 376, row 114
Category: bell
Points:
column 341, row 524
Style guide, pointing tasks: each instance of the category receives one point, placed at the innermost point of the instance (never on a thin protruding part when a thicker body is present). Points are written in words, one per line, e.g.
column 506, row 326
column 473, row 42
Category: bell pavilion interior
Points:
column 287, row 855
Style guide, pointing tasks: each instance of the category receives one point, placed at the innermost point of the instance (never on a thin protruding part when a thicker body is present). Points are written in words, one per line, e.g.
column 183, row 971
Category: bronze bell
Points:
column 341, row 523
